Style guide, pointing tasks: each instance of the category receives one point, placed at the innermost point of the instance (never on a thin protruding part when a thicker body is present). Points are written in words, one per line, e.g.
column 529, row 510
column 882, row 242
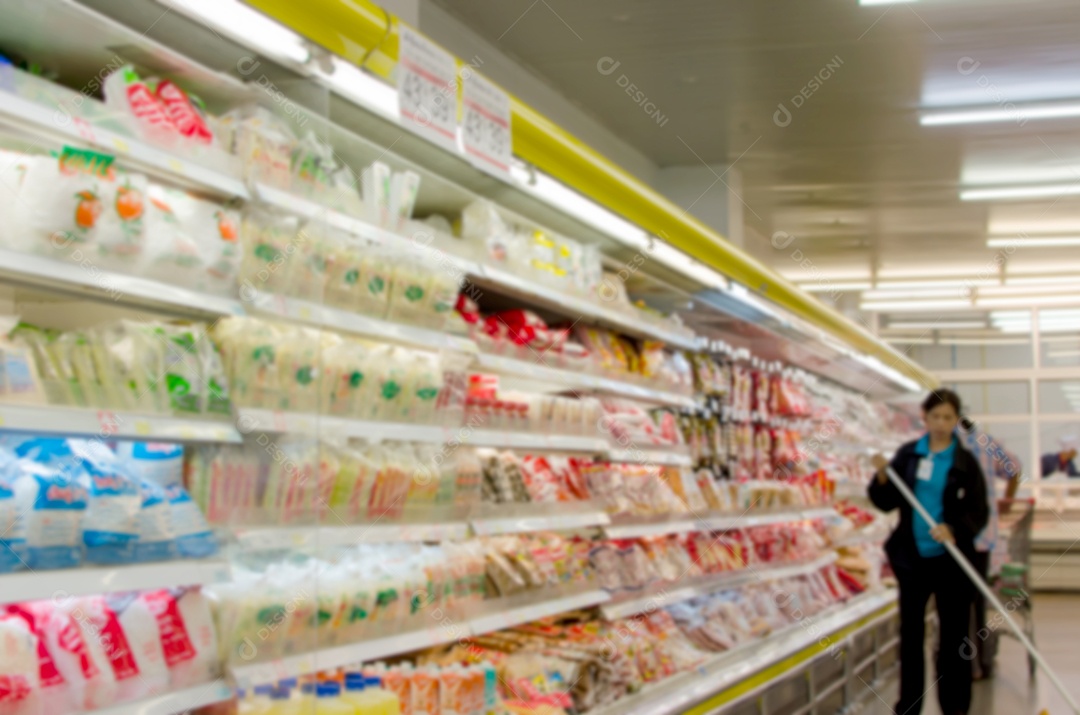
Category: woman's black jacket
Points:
column 966, row 509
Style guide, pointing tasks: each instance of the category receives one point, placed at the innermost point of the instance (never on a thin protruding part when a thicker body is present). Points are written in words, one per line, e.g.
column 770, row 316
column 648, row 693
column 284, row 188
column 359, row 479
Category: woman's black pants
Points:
column 954, row 594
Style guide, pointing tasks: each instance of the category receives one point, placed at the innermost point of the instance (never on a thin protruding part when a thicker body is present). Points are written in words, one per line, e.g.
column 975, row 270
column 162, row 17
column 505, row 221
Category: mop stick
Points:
column 981, row 585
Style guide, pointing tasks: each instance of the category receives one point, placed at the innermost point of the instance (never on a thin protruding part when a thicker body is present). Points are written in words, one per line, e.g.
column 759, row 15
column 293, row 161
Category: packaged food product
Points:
column 53, row 504
column 183, row 113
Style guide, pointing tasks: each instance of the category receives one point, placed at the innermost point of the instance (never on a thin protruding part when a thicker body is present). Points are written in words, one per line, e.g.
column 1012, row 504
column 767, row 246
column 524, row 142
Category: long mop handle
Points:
column 981, row 585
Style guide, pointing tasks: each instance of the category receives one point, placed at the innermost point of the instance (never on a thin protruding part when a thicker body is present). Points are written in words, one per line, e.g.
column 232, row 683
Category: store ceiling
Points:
column 844, row 167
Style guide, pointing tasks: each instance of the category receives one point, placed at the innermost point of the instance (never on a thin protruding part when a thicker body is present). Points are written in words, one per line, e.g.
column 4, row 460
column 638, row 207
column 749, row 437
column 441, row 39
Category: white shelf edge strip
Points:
column 272, row 421
column 271, row 538
column 58, row 419
column 718, row 522
column 659, row 456
column 628, row 607
column 178, row 701
column 37, row 585
column 724, row 670
column 385, row 646
column 22, row 111
column 532, row 612
column 355, row 323
column 584, row 381
column 553, row 522
column 114, row 287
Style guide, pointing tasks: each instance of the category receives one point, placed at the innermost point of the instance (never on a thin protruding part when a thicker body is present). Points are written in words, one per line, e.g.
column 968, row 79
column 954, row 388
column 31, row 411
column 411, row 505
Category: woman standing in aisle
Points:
column 948, row 482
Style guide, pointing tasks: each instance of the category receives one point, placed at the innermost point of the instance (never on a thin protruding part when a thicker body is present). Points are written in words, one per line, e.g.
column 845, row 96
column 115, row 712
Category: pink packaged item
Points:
column 182, row 113
column 82, row 662
column 194, row 616
column 125, row 631
column 54, row 693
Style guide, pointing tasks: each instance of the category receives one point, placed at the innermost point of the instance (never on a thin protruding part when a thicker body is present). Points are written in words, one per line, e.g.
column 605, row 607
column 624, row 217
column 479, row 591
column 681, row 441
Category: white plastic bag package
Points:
column 194, row 539
column 159, row 462
column 197, row 618
column 12, row 523
column 19, row 670
column 157, row 539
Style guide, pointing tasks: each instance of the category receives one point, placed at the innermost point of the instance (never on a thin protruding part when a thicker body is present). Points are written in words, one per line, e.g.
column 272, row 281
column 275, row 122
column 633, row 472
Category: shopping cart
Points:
column 1012, row 570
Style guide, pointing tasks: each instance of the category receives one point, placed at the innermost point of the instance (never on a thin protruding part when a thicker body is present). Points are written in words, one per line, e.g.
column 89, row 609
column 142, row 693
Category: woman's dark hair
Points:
column 941, row 397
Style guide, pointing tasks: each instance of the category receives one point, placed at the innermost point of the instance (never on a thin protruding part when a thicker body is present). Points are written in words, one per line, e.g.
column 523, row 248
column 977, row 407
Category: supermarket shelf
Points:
column 667, row 594
column 247, row 675
column 302, row 311
column 277, row 422
column 79, row 421
column 447, row 631
column 32, row 118
column 580, row 308
column 681, row 692
column 868, row 535
column 75, row 279
column 634, row 529
column 277, row 537
column 36, row 585
column 180, row 701
column 314, row 210
column 490, row 526
column 663, row 457
column 580, row 380
column 515, row 616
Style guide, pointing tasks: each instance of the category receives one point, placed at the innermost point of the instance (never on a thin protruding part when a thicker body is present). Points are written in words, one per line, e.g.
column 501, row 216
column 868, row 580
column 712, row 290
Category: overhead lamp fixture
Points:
column 1026, row 280
column 940, row 283
column 913, row 306
column 937, row 325
column 1014, row 113
column 246, row 26
column 1037, row 191
column 1033, row 241
column 1032, row 290
column 1027, row 301
column 825, row 286
column 889, row 293
column 888, row 371
column 560, row 196
column 360, row 88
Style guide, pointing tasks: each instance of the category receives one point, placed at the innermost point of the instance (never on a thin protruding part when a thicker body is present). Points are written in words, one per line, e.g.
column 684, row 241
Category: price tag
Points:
column 120, row 145
column 108, row 422
column 142, row 428
column 176, row 166
column 84, row 129
column 486, row 126
column 427, row 89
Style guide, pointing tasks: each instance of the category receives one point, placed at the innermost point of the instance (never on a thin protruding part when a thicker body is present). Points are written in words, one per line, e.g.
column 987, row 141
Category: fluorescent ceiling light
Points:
column 1020, row 192
column 913, row 306
column 1041, row 280
column 562, row 197
column 1029, row 301
column 1033, row 241
column 910, row 341
column 245, row 25
column 830, row 286
column 889, row 293
column 1016, row 113
column 944, row 283
column 1016, row 290
column 938, row 325
column 361, row 88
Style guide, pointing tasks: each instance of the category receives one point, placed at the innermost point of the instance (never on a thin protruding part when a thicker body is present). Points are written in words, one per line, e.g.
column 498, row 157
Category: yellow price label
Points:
column 142, row 427
column 120, row 145
column 176, row 166
column 305, row 312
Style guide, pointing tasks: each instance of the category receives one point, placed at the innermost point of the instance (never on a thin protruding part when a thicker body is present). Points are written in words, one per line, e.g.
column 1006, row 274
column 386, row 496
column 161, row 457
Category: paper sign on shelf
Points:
column 486, row 125
column 427, row 89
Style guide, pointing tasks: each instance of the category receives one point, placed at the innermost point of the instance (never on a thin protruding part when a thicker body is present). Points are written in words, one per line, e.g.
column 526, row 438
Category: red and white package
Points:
column 196, row 618
column 125, row 91
column 19, row 668
column 182, row 113
column 81, row 661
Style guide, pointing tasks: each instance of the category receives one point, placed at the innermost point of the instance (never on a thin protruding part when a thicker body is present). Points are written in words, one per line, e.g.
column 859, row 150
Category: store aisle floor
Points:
column 1057, row 631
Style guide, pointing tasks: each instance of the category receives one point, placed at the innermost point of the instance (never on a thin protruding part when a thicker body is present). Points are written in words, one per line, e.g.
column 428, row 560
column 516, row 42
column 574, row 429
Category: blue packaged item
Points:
column 194, row 539
column 157, row 541
column 159, row 462
column 111, row 524
column 53, row 504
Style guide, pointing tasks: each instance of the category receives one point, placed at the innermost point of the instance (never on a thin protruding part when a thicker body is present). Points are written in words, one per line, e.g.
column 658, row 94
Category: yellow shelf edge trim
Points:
column 365, row 34
column 786, row 665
